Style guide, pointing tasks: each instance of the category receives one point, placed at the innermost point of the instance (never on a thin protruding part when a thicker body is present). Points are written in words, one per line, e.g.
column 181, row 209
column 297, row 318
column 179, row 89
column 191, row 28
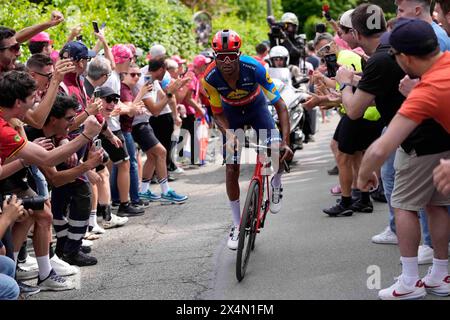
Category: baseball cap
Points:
column 106, row 92
column 200, row 61
column 122, row 53
column 76, row 50
column 157, row 50
column 178, row 59
column 346, row 19
column 42, row 37
column 413, row 37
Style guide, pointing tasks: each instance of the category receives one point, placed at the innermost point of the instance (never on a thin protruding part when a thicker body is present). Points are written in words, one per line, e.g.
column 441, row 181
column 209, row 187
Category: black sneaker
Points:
column 85, row 249
column 378, row 195
column 26, row 290
column 80, row 259
column 337, row 210
column 127, row 210
column 334, row 171
column 115, row 204
column 144, row 204
column 358, row 206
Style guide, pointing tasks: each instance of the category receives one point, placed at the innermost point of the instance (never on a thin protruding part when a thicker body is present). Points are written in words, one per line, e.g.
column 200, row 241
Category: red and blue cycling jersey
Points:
column 252, row 88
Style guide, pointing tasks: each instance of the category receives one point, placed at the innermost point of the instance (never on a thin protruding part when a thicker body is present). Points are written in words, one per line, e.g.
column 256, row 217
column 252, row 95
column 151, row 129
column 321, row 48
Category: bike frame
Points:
column 263, row 182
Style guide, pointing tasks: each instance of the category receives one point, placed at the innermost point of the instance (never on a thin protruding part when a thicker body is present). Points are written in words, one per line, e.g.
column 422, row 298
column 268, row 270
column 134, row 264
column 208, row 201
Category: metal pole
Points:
column 269, row 8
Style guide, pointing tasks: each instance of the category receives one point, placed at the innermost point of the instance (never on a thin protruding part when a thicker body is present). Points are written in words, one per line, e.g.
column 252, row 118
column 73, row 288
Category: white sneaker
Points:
column 178, row 170
column 399, row 291
column 26, row 273
column 55, row 283
column 437, row 287
column 29, row 263
column 425, row 254
column 385, row 237
column 115, row 222
column 97, row 229
column 86, row 243
column 233, row 239
column 62, row 268
column 276, row 199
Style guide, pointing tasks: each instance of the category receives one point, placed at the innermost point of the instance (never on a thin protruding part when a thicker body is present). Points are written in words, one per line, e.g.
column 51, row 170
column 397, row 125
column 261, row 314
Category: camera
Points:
column 276, row 28
column 34, row 203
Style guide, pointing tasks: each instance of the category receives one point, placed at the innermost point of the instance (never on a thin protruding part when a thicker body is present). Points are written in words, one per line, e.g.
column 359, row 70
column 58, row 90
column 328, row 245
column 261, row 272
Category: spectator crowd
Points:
column 85, row 134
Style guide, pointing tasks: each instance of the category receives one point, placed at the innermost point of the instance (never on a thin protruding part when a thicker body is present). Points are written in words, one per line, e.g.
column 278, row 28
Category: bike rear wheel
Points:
column 247, row 229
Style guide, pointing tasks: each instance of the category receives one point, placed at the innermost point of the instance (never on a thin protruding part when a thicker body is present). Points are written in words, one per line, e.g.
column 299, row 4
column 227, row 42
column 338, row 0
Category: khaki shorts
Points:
column 413, row 187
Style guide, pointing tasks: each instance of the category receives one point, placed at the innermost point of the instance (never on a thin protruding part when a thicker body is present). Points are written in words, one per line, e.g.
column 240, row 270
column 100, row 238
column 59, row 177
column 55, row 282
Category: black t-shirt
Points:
column 381, row 78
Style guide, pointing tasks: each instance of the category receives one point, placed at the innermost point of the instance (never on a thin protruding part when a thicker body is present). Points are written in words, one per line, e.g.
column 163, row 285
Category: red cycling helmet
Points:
column 226, row 40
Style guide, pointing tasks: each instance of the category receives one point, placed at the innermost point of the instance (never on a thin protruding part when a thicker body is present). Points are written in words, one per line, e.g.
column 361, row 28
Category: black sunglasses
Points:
column 69, row 119
column 15, row 47
column 47, row 75
column 112, row 99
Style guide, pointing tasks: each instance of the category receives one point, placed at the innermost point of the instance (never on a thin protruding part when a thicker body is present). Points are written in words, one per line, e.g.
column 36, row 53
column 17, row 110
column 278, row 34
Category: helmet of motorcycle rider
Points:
column 289, row 17
column 279, row 52
column 226, row 41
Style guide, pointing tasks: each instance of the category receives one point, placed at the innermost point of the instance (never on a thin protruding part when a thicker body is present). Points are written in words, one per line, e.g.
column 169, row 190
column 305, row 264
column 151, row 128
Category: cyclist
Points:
column 237, row 87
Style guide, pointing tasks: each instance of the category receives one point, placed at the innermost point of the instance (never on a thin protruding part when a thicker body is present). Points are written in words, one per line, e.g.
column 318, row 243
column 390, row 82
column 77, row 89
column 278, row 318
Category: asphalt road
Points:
column 179, row 251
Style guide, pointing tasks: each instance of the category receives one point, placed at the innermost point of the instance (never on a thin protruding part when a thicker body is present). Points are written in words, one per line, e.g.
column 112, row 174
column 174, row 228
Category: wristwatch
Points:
column 169, row 95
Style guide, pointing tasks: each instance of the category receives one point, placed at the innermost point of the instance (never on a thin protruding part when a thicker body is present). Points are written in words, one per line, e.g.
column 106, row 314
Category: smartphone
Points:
column 95, row 25
column 97, row 144
column 321, row 28
column 332, row 65
column 148, row 79
column 97, row 93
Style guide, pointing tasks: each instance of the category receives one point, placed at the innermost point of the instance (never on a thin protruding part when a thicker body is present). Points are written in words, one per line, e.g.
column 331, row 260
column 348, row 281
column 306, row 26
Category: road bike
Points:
column 256, row 206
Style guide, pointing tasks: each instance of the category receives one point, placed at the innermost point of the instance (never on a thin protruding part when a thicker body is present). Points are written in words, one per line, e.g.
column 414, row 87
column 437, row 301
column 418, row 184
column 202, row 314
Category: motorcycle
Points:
column 293, row 97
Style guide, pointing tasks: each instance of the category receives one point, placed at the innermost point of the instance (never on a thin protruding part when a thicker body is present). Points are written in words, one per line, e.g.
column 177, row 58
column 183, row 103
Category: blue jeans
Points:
column 388, row 177
column 41, row 182
column 134, row 177
column 425, row 231
column 9, row 290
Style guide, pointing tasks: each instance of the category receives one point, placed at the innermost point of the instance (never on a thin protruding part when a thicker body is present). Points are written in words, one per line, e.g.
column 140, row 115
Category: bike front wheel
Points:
column 247, row 229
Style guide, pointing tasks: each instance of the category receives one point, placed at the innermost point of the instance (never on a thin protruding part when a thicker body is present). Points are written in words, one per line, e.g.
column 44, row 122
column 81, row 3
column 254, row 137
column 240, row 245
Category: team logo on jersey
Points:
column 238, row 94
column 268, row 78
column 17, row 138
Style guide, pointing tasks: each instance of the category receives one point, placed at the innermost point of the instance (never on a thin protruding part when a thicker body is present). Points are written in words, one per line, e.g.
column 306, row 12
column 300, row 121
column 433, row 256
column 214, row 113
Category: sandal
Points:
column 336, row 190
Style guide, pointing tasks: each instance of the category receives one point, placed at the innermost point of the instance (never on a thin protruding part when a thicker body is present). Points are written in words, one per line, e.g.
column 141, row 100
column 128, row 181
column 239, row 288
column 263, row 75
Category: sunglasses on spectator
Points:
column 326, row 49
column 47, row 75
column 15, row 47
column 84, row 58
column 110, row 99
column 232, row 56
column 134, row 74
column 70, row 118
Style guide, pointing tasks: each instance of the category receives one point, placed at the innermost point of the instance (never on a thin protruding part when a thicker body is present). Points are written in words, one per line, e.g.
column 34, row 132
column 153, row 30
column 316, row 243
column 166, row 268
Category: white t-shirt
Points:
column 163, row 84
column 114, row 83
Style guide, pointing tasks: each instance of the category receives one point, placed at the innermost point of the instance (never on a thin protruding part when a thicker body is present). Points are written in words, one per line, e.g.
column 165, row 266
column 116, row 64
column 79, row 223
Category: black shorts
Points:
column 117, row 155
column 144, row 136
column 356, row 135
